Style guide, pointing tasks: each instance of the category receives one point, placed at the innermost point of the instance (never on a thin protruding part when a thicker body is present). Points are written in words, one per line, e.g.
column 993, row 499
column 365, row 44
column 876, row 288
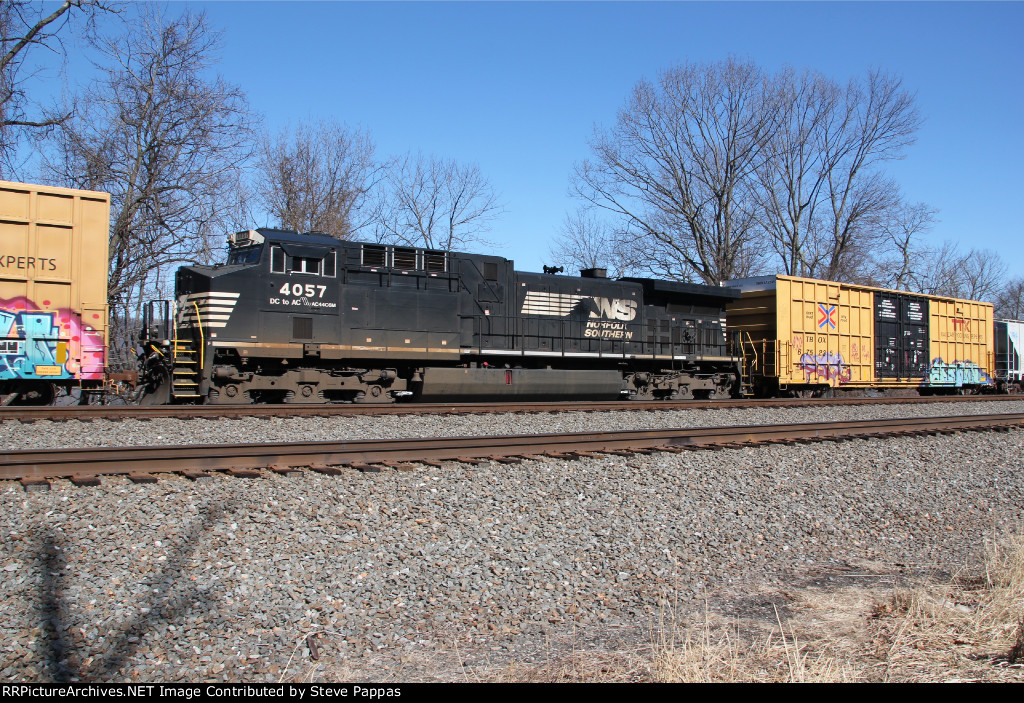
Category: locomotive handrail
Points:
column 202, row 339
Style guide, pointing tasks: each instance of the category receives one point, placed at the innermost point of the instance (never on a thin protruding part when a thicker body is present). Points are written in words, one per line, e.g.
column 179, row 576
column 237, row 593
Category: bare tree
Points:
column 318, row 178
column 901, row 260
column 1010, row 300
column 166, row 139
column 983, row 273
column 677, row 168
column 792, row 175
column 822, row 198
column 436, row 203
column 878, row 121
column 588, row 242
column 976, row 275
column 27, row 29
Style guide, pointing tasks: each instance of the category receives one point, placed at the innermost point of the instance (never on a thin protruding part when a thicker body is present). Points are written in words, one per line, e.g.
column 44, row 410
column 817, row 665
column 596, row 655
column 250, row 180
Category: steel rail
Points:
column 121, row 412
column 42, row 464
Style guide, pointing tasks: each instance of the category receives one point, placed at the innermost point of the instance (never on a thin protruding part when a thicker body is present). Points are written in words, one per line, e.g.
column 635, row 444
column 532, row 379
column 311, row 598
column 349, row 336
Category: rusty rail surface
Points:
column 369, row 454
column 121, row 412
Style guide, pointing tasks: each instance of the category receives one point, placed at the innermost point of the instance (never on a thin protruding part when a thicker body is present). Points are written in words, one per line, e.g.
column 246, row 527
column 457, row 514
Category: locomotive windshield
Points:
column 245, row 255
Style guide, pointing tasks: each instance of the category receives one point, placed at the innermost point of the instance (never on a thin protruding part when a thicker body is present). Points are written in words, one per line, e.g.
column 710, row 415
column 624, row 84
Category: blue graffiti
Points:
column 827, row 366
column 956, row 374
column 28, row 346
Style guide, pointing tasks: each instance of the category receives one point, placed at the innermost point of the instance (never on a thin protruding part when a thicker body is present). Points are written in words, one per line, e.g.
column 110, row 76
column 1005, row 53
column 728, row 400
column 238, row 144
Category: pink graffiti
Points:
column 87, row 353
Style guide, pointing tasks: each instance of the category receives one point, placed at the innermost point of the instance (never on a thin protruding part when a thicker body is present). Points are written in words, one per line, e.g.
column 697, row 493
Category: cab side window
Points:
column 302, row 264
column 277, row 259
column 283, row 262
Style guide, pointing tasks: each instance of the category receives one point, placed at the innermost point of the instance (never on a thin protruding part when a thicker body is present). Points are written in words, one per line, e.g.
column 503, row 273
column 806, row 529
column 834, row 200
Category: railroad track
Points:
column 85, row 466
column 122, row 412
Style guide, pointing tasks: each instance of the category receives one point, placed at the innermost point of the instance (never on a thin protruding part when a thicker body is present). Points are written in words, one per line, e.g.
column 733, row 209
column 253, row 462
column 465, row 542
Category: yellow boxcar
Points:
column 53, row 290
column 805, row 336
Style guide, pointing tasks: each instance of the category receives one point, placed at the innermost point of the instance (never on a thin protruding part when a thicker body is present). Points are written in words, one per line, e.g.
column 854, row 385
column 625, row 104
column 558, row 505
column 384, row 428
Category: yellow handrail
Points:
column 202, row 339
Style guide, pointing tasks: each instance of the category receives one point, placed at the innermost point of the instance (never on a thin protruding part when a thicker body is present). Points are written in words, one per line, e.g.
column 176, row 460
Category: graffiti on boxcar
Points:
column 828, row 366
column 46, row 344
column 957, row 373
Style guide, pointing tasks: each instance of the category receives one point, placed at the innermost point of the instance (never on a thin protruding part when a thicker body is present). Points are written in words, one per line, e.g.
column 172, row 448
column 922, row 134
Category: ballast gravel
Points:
column 382, row 577
column 46, row 434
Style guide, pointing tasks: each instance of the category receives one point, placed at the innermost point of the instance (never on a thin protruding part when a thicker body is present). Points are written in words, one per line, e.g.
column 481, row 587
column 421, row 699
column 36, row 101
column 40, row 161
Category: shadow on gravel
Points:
column 166, row 599
column 55, row 647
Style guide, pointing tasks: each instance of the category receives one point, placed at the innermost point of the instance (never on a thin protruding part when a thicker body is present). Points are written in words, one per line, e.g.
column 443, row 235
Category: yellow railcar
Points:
column 53, row 290
column 806, row 336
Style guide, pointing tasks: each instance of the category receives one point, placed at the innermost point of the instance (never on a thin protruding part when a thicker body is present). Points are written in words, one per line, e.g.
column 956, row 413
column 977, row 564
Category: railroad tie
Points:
column 35, row 485
column 326, row 470
column 243, row 473
column 284, row 470
column 85, row 480
column 142, row 478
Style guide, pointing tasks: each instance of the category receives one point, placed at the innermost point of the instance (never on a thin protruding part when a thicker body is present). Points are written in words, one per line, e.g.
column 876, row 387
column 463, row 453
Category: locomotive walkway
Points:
column 84, row 466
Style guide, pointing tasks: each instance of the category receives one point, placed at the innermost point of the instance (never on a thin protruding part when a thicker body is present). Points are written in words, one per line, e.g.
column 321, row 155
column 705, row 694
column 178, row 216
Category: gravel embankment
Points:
column 223, row 580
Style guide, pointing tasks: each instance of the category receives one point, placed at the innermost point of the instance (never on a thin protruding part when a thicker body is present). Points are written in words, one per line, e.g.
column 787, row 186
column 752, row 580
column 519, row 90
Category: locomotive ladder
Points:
column 184, row 372
column 185, row 368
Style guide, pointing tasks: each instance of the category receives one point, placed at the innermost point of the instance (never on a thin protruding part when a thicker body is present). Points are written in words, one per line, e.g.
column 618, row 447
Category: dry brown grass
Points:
column 717, row 650
column 971, row 629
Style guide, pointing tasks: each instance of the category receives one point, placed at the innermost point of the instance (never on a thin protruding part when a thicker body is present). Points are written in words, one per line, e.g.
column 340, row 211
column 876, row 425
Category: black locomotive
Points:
column 306, row 318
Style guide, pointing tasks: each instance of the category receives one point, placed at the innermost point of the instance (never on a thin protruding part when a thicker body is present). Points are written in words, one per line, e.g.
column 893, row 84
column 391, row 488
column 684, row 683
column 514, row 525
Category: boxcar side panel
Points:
column 825, row 333
column 962, row 350
column 53, row 283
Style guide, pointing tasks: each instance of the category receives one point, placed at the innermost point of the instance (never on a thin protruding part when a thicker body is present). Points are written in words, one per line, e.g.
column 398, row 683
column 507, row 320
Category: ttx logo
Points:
column 961, row 325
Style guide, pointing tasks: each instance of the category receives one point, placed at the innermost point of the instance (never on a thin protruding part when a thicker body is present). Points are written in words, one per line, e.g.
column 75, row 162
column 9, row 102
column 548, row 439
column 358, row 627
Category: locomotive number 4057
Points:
column 297, row 289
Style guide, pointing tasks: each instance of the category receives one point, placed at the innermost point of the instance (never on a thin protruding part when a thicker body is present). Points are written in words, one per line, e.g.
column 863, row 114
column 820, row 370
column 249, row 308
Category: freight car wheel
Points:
column 33, row 394
column 159, row 390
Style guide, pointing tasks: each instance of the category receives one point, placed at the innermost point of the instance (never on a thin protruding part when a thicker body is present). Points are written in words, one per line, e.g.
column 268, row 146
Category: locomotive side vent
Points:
column 405, row 258
column 437, row 262
column 302, row 328
column 375, row 255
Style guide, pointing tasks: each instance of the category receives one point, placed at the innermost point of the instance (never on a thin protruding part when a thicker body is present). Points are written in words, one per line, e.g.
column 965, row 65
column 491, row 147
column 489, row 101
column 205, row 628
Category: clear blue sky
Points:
column 518, row 87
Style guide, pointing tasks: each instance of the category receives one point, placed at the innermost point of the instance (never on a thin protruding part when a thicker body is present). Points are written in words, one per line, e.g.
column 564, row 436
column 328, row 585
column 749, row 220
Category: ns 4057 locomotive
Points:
column 305, row 318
